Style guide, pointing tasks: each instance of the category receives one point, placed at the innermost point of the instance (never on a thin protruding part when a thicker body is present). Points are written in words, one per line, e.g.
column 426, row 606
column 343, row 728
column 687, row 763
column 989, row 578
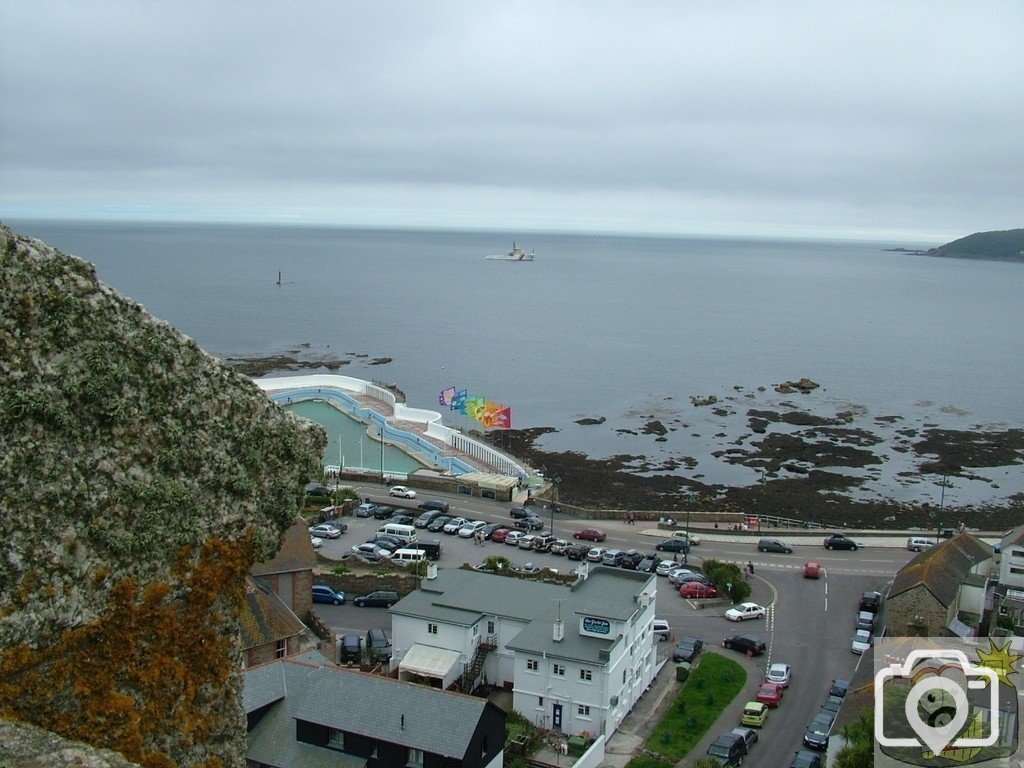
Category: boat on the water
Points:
column 516, row 254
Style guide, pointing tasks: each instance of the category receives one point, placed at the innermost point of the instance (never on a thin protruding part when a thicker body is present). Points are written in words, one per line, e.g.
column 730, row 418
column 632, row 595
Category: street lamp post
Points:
column 382, row 453
column 686, row 552
column 942, row 504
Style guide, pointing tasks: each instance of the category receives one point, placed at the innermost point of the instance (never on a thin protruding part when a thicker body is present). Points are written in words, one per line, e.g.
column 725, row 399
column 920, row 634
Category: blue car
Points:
column 325, row 594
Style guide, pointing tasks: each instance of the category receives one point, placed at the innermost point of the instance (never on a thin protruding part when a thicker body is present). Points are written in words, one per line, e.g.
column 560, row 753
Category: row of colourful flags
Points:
column 487, row 412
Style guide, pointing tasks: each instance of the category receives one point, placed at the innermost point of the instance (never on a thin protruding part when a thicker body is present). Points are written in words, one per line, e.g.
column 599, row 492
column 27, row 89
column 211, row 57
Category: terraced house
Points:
column 576, row 657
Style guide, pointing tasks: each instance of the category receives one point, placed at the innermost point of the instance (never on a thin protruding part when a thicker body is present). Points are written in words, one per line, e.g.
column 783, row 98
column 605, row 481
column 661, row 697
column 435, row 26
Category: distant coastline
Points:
column 1004, row 245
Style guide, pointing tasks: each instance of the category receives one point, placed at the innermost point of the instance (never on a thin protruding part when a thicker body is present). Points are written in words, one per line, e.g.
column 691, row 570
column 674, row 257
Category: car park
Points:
column 596, row 555
column 438, row 523
column 870, row 601
column 754, row 714
column 365, row 509
column 833, row 703
column 812, row 570
column 323, row 593
column 528, row 524
column 426, row 518
column 590, row 534
column 749, row 736
column 838, row 541
column 402, row 491
column 380, row 598
column 839, row 688
column 499, row 534
column 470, row 529
column 672, row 545
column 512, row 538
column 779, row 674
column 350, row 649
column 661, row 629
column 383, row 512
column 916, row 543
column 774, row 545
column 752, row 645
column 770, row 694
column 687, row 649
column 452, row 526
column 861, row 641
column 805, row 759
column 559, row 547
column 577, row 552
column 439, row 504
column 316, row 541
column 745, row 611
column 728, row 749
column 694, row 590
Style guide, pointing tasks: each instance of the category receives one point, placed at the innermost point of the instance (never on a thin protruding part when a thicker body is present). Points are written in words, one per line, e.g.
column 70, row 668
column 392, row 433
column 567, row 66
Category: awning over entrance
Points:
column 427, row 661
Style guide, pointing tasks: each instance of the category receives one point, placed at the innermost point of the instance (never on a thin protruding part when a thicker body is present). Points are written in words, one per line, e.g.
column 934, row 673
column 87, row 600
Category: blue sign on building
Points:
column 597, row 626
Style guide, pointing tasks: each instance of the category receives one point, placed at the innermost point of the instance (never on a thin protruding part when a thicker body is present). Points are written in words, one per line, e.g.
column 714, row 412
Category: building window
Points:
column 431, row 629
column 623, row 677
column 583, row 710
column 1018, row 553
column 1016, row 569
column 336, row 738
column 476, row 630
column 558, row 669
column 586, row 675
column 490, row 627
column 415, row 756
column 540, row 701
column 531, row 665
column 282, row 648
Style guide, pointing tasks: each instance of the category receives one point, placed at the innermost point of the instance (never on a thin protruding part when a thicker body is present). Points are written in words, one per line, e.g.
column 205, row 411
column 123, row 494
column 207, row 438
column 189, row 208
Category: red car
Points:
column 770, row 694
column 696, row 589
column 590, row 534
column 812, row 570
column 499, row 535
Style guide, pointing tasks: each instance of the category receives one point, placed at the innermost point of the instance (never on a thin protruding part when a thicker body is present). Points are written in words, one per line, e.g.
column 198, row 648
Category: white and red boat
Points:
column 516, row 254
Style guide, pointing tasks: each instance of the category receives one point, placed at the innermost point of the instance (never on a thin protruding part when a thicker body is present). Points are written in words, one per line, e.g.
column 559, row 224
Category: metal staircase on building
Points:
column 472, row 670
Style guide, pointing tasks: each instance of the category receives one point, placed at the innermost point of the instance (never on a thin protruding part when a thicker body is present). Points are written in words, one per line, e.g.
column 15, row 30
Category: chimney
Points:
column 559, row 632
column 431, row 570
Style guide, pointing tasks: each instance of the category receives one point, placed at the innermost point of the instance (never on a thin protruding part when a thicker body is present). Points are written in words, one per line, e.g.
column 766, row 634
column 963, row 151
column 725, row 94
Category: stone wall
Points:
column 139, row 480
column 916, row 613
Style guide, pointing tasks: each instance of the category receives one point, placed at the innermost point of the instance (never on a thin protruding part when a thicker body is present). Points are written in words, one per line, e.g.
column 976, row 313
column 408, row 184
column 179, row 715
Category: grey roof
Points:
column 480, row 594
column 273, row 742
column 435, row 721
column 262, row 685
column 1015, row 536
column 941, row 568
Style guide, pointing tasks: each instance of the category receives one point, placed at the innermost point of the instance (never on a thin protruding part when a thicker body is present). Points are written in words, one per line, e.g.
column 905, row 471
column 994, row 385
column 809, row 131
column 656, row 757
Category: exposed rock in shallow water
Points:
column 803, row 386
column 654, row 427
column 587, row 421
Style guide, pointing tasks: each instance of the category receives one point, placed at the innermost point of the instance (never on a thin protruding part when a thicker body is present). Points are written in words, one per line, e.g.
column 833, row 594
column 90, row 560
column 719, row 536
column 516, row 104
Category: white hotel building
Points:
column 576, row 657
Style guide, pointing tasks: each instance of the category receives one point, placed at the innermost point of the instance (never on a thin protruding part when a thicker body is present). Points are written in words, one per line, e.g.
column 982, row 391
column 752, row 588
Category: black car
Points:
column 833, row 703
column 774, row 545
column 631, row 560
column 382, row 512
column 382, row 598
column 350, row 649
column 748, row 644
column 870, row 601
column 728, row 749
column 838, row 541
column 577, row 552
column 816, row 736
column 517, row 513
column 687, row 649
column 401, row 519
column 383, row 538
column 528, row 524
column 439, row 523
column 490, row 528
column 839, row 688
column 426, row 518
column 673, row 545
column 432, row 547
column 377, row 642
column 439, row 504
column 805, row 759
column 648, row 565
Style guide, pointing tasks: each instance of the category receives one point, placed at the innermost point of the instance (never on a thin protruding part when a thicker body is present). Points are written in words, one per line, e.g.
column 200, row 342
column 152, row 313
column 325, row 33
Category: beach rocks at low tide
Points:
column 803, row 386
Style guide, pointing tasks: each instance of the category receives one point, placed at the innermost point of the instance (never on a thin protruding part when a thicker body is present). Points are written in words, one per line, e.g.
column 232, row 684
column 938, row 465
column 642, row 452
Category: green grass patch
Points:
column 648, row 762
column 709, row 690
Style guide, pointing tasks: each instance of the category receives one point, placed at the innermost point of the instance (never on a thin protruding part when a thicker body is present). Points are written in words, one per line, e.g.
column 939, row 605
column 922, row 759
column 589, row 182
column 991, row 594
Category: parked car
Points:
column 499, row 535
column 371, row 552
column 754, row 714
column 377, row 642
column 838, row 541
column 664, row 567
column 749, row 736
column 779, row 674
column 490, row 528
column 694, row 590
column 812, row 570
column 386, row 543
column 322, row 593
column 365, row 509
column 402, row 491
column 383, row 512
column 613, row 557
column 647, row 565
column 577, row 552
column 596, row 555
column 916, row 543
column 745, row 611
column 517, row 513
column 833, row 703
column 316, row 541
column 452, row 526
column 381, row 598
column 439, row 504
column 400, row 518
column 329, row 530
column 680, row 575
column 432, row 547
column 385, row 538
column 470, row 529
column 839, row 688
column 526, row 542
column 661, row 629
column 861, row 641
column 866, row 620
column 528, row 524
column 590, row 534
column 512, row 538
column 774, row 545
column 559, row 547
column 438, row 523
column 687, row 649
column 672, row 545
column 870, row 601
column 816, row 735
column 526, row 569
column 805, row 759
column 426, row 518
column 770, row 694
column 542, row 541
column 728, row 749
column 350, row 649
column 752, row 645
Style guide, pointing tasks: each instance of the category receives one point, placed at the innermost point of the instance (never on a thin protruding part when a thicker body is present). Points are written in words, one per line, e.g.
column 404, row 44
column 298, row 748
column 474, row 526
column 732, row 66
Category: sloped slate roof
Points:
column 264, row 617
column 942, row 568
column 1016, row 536
column 296, row 553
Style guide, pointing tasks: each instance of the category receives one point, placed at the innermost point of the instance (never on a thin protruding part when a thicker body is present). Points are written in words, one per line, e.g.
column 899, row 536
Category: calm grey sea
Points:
column 626, row 328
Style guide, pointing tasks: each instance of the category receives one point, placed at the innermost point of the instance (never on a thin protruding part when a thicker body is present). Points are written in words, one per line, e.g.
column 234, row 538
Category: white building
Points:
column 576, row 657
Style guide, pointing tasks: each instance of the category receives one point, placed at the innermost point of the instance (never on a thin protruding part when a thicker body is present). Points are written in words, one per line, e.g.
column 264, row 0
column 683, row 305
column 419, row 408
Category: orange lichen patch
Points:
column 158, row 662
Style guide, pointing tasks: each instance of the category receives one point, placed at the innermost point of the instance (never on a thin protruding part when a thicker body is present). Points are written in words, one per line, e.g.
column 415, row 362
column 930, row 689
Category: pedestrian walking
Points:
column 750, row 567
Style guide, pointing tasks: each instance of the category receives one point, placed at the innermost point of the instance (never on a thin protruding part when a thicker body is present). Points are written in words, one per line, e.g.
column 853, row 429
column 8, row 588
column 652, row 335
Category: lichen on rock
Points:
column 139, row 480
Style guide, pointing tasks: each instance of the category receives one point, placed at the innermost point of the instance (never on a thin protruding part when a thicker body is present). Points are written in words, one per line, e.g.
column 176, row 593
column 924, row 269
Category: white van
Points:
column 404, row 532
column 409, row 556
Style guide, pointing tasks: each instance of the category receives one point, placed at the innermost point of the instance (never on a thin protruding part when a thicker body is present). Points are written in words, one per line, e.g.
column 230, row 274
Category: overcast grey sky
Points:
column 893, row 120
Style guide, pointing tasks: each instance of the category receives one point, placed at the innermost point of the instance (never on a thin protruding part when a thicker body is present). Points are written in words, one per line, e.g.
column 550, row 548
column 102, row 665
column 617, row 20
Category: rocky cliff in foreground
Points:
column 139, row 480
